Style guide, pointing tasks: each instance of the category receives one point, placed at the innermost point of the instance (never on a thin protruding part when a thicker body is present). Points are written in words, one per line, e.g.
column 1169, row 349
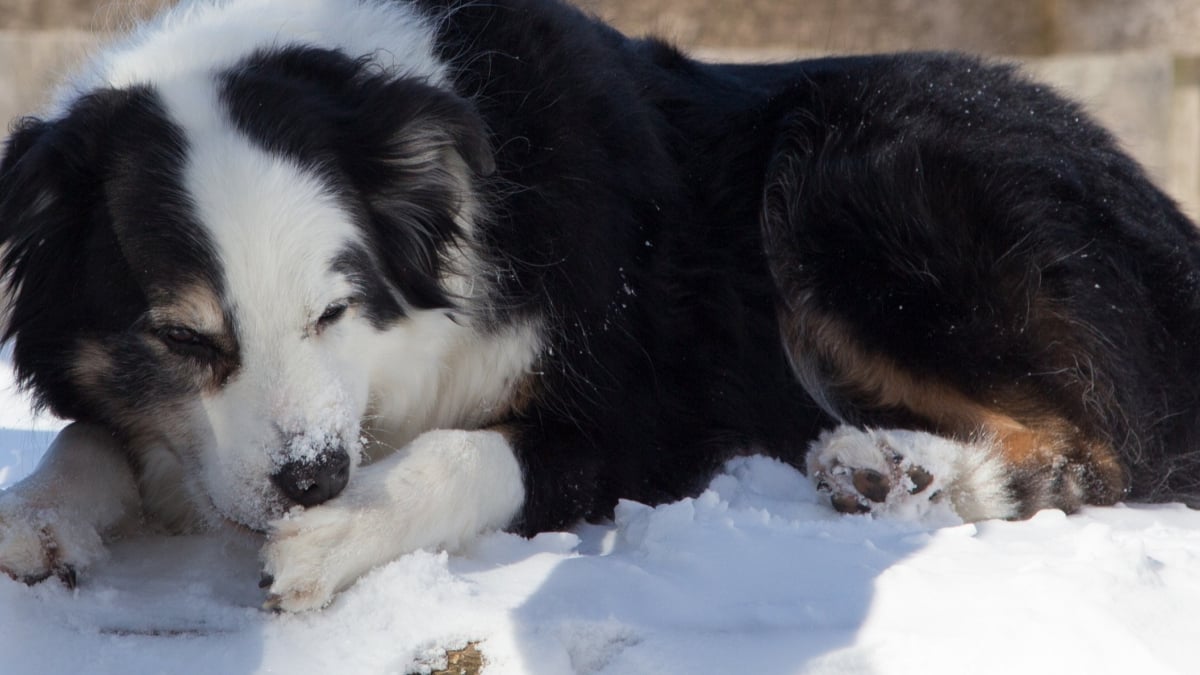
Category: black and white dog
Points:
column 377, row 275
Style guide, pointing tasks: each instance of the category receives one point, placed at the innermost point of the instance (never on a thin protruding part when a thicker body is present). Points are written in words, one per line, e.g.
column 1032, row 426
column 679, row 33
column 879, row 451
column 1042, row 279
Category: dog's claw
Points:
column 271, row 604
column 67, row 576
column 849, row 504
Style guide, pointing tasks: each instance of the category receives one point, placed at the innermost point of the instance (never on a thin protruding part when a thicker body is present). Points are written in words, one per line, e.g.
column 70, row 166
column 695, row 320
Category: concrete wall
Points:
column 1134, row 63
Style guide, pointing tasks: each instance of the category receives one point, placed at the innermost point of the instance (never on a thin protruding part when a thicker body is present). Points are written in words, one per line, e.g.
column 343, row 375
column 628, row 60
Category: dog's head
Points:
column 208, row 264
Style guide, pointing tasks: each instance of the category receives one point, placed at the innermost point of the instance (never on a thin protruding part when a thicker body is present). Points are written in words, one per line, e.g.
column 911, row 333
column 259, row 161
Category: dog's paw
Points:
column 865, row 471
column 908, row 474
column 442, row 490
column 37, row 546
column 309, row 556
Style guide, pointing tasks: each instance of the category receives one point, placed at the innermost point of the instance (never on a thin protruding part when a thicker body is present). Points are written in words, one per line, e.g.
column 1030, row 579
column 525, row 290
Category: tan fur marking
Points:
column 522, row 394
column 195, row 307
column 1026, row 436
column 91, row 367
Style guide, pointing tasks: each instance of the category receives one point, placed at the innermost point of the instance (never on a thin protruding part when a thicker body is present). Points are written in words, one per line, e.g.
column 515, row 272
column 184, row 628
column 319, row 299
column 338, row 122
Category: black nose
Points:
column 311, row 482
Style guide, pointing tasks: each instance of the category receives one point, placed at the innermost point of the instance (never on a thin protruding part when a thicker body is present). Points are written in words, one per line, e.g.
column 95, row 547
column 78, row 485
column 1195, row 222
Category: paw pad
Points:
column 871, row 484
column 861, row 472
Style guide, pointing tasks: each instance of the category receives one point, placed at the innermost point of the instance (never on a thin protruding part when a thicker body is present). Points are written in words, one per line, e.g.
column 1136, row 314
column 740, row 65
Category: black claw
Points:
column 67, row 576
column 849, row 504
column 271, row 604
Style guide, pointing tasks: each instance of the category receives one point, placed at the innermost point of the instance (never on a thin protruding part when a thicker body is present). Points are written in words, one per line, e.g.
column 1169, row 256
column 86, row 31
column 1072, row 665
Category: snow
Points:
column 756, row 575
column 23, row 435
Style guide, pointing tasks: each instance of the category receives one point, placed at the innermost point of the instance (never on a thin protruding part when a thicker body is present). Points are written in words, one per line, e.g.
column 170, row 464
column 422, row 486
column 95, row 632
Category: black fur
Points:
column 82, row 199
column 381, row 140
column 660, row 217
column 925, row 199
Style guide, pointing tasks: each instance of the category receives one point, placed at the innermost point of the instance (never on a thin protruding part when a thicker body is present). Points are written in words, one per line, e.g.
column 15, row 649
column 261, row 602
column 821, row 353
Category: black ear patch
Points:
column 402, row 153
column 93, row 218
column 53, row 223
column 313, row 104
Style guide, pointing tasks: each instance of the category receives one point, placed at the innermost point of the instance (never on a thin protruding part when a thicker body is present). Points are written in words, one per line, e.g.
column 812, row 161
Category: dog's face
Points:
column 211, row 265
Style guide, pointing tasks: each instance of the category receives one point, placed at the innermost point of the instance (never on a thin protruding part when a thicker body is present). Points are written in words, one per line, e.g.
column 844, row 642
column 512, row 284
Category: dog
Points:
column 370, row 276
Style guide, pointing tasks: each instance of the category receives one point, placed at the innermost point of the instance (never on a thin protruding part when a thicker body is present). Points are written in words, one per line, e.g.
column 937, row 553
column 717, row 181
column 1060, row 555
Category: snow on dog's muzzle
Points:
column 316, row 477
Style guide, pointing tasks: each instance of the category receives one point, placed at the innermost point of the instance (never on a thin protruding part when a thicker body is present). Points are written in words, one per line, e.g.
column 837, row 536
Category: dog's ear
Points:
column 25, row 135
column 47, row 162
column 49, row 189
column 419, row 155
column 28, row 174
column 42, row 182
column 430, row 121
column 62, row 260
column 33, row 178
column 53, row 196
column 413, row 151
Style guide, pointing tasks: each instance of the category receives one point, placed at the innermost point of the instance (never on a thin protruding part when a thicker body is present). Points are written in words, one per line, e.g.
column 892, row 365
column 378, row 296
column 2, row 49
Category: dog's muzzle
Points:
column 309, row 482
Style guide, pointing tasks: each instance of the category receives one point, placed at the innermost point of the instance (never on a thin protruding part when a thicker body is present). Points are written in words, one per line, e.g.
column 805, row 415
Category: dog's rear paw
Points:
column 865, row 471
column 35, row 548
column 908, row 474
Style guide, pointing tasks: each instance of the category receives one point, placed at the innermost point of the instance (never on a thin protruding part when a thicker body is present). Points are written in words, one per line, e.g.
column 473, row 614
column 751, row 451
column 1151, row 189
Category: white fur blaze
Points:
column 910, row 474
column 439, row 492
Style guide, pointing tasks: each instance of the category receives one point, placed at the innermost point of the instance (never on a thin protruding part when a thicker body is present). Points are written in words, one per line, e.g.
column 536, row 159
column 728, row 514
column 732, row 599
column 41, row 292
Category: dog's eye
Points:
column 187, row 341
column 332, row 313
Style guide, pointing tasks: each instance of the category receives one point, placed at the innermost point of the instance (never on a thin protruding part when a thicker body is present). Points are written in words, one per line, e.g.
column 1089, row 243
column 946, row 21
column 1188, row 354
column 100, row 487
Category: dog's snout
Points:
column 311, row 482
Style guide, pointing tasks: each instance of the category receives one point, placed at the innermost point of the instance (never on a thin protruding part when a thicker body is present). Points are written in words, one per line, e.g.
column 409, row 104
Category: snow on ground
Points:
column 23, row 435
column 756, row 575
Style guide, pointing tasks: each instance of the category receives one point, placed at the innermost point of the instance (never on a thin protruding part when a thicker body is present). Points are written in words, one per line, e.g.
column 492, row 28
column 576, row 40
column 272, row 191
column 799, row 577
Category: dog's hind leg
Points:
column 1008, row 455
column 1017, row 287
column 55, row 521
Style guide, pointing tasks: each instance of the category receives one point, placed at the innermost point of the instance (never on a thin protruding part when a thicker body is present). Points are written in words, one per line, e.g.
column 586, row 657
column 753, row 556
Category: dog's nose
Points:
column 311, row 482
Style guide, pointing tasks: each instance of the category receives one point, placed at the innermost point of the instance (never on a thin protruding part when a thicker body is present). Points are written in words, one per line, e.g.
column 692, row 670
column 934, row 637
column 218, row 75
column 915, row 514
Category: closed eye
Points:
column 332, row 314
column 187, row 342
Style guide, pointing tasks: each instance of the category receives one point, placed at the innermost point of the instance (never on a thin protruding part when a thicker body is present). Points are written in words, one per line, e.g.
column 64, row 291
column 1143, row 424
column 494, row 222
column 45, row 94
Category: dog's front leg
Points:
column 55, row 521
column 439, row 492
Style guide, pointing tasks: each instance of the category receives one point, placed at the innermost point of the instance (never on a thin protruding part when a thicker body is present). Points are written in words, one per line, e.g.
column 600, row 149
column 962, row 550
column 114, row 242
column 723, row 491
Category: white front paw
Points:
column 441, row 490
column 37, row 545
column 308, row 557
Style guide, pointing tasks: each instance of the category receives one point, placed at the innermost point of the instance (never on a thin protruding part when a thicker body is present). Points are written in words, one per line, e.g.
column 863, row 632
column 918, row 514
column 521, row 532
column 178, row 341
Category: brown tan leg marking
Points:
column 1041, row 449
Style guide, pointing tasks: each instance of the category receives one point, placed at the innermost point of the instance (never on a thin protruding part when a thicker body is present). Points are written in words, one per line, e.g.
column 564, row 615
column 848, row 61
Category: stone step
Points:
column 1013, row 27
column 1003, row 27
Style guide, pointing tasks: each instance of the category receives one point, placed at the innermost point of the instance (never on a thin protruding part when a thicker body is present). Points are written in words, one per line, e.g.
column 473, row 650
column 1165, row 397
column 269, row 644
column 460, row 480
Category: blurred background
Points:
column 1134, row 63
